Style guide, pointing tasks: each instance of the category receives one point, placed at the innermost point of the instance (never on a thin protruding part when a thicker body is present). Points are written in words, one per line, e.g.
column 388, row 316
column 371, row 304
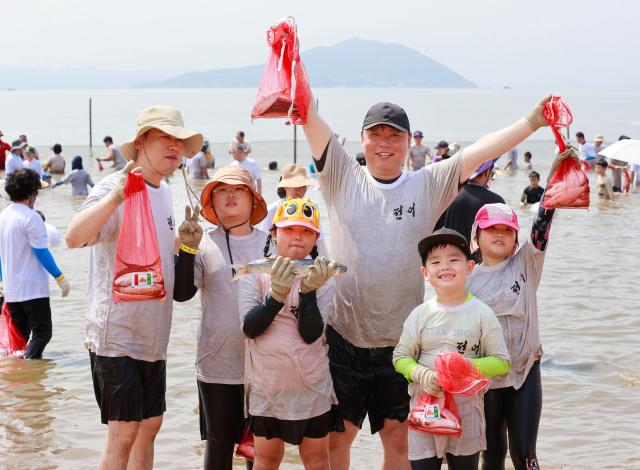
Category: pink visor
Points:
column 490, row 215
column 291, row 223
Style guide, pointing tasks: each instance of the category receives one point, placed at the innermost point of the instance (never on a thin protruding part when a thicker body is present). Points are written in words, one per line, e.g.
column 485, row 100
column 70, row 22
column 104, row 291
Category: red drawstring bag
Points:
column 435, row 415
column 458, row 375
column 568, row 187
column 246, row 448
column 284, row 90
column 11, row 340
column 138, row 270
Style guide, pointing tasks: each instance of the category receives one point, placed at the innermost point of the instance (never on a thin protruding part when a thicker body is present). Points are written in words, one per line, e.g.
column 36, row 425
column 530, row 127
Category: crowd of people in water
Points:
column 301, row 347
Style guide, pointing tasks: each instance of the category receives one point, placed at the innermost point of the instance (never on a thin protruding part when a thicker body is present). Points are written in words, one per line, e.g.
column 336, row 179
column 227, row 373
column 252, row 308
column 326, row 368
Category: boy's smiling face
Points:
column 447, row 269
column 534, row 181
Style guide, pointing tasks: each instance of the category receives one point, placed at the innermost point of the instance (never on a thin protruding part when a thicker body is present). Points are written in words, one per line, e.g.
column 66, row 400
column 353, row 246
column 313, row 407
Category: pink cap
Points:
column 490, row 215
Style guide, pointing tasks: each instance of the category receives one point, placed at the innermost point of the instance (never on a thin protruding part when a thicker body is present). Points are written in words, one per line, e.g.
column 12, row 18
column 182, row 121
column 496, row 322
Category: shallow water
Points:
column 589, row 325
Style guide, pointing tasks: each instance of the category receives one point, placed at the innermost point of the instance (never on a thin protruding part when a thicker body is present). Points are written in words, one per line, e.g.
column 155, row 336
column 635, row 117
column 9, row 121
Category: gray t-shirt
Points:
column 220, row 355
column 418, row 156
column 375, row 230
column 119, row 161
column 79, row 180
column 509, row 289
column 139, row 330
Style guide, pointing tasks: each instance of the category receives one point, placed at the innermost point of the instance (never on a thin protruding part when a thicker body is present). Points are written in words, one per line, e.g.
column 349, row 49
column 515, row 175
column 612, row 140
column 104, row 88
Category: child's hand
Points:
column 190, row 231
column 282, row 277
column 426, row 378
column 318, row 275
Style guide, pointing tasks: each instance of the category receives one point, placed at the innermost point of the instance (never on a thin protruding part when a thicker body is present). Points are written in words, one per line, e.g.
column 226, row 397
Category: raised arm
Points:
column 316, row 130
column 499, row 142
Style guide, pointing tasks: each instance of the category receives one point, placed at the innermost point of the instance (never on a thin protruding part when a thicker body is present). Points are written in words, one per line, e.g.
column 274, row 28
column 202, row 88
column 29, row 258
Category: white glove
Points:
column 64, row 285
column 318, row 275
column 190, row 231
column 117, row 193
column 426, row 379
column 536, row 118
column 282, row 277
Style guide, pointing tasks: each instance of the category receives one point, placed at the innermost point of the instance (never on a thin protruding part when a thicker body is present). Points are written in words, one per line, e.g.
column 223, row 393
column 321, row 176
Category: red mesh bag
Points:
column 284, row 90
column 11, row 340
column 568, row 187
column 435, row 415
column 138, row 270
column 246, row 448
column 455, row 374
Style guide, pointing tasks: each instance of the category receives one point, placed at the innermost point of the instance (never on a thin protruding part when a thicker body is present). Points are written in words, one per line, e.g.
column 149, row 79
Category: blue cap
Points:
column 484, row 167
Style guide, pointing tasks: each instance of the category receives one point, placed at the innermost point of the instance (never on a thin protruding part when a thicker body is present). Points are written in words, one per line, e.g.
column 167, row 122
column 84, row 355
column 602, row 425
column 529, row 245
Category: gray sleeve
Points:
column 324, row 297
column 337, row 167
column 249, row 295
column 442, row 185
column 492, row 338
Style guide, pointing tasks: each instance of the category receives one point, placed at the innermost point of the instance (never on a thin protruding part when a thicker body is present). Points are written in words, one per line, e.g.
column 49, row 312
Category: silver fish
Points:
column 300, row 267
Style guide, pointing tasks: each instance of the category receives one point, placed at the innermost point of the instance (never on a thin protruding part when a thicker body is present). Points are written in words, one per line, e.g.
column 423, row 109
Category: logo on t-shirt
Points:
column 170, row 222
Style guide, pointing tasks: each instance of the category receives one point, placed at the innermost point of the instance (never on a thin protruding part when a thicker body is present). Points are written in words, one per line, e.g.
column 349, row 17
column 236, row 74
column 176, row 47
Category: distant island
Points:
column 350, row 63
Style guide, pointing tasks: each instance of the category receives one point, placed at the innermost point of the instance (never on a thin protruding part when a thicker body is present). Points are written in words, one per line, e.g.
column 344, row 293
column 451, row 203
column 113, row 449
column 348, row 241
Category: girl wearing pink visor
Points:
column 288, row 386
column 507, row 280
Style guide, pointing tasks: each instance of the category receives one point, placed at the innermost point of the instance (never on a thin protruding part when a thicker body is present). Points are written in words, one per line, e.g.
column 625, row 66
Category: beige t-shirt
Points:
column 285, row 377
column 220, row 354
column 139, row 330
column 605, row 187
column 470, row 329
column 509, row 289
column 375, row 230
column 56, row 164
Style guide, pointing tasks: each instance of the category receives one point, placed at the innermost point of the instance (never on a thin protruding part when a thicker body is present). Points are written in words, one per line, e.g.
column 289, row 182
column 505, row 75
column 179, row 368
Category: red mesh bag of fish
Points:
column 455, row 374
column 568, row 187
column 138, row 270
column 284, row 91
column 435, row 415
column 246, row 448
column 11, row 340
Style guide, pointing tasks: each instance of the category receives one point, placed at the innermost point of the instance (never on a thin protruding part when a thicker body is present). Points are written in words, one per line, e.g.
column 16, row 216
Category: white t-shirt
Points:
column 139, row 330
column 196, row 164
column 34, row 165
column 23, row 277
column 53, row 236
column 587, row 151
column 509, row 288
column 220, row 355
column 13, row 163
column 375, row 230
column 250, row 165
column 470, row 329
column 285, row 377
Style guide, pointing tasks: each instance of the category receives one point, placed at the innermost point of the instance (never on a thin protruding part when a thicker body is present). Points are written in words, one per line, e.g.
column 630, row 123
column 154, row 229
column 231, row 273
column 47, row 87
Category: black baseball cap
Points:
column 442, row 145
column 387, row 114
column 443, row 236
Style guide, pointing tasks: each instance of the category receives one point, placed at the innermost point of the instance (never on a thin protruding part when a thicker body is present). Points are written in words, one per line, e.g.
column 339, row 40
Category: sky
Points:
column 587, row 45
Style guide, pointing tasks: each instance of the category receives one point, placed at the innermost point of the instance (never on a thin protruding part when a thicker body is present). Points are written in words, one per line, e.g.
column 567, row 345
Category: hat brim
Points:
column 443, row 239
column 297, row 182
column 483, row 224
column 385, row 123
column 258, row 211
column 291, row 223
column 192, row 140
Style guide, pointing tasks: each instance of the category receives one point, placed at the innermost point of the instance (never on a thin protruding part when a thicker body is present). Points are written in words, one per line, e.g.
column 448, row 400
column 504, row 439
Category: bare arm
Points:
column 499, row 142
column 86, row 224
column 316, row 130
column 111, row 156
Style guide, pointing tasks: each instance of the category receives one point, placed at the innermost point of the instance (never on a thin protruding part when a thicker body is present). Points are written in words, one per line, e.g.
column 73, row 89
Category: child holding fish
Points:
column 231, row 202
column 507, row 280
column 289, row 391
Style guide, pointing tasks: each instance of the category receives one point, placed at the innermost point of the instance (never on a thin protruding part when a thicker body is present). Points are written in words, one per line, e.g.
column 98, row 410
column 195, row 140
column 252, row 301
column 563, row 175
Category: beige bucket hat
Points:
column 169, row 120
column 295, row 176
column 233, row 175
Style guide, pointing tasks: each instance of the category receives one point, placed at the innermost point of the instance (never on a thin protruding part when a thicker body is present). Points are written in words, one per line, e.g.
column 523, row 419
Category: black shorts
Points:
column 221, row 412
column 366, row 382
column 128, row 389
column 294, row 431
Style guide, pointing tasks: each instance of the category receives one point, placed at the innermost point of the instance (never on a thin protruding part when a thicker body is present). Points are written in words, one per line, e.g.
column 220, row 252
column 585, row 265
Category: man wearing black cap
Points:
column 442, row 151
column 378, row 214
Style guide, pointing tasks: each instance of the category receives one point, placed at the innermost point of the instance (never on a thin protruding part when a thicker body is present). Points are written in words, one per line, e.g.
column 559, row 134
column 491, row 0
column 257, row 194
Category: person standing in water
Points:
column 79, row 178
column 113, row 154
column 128, row 341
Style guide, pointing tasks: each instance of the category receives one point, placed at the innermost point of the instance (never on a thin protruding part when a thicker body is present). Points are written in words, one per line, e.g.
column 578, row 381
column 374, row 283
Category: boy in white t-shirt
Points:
column 453, row 321
column 127, row 341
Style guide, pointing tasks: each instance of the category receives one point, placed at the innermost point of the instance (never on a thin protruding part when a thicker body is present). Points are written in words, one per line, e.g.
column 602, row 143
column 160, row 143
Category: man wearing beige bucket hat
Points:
column 127, row 341
column 231, row 202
